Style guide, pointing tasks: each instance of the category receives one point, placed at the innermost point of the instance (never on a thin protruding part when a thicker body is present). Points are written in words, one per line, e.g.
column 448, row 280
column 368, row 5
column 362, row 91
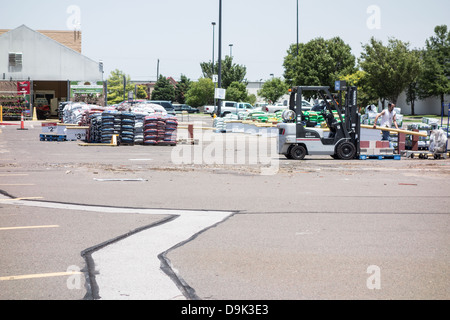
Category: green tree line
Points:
column 382, row 72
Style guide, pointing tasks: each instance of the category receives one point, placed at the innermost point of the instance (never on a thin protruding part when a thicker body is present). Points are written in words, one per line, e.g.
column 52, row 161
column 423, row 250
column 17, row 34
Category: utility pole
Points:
column 297, row 28
column 214, row 26
column 219, row 106
column 157, row 71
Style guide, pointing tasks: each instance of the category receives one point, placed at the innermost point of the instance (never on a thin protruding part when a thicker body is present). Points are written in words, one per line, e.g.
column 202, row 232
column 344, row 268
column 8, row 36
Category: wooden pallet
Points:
column 52, row 137
column 380, row 157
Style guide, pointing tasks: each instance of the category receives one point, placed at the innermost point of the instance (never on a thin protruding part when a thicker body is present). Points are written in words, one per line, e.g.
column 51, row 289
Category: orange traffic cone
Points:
column 22, row 123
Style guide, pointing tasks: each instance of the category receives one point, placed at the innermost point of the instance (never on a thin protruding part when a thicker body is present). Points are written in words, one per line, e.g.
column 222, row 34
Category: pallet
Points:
column 426, row 155
column 52, row 137
column 380, row 157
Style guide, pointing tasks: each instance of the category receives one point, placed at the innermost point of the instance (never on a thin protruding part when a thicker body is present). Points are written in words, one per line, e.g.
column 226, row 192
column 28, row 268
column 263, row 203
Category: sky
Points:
column 133, row 35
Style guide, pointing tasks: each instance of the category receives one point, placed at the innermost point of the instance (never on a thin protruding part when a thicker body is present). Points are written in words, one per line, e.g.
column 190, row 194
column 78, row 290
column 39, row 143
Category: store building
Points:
column 39, row 69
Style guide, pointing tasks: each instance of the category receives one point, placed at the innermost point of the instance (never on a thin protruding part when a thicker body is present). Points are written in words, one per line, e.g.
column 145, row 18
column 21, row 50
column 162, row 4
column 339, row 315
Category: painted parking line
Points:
column 18, row 199
column 14, row 174
column 17, row 184
column 29, row 227
column 40, row 275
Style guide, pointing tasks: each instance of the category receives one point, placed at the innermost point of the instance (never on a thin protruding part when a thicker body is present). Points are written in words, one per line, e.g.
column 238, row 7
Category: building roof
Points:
column 70, row 39
column 43, row 58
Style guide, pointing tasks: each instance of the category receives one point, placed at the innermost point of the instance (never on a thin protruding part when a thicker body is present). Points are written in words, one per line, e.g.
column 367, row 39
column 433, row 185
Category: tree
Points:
column 201, row 93
column 115, row 87
column 412, row 91
column 231, row 72
column 366, row 94
column 141, row 92
column 320, row 62
column 237, row 92
column 182, row 88
column 273, row 89
column 164, row 90
column 389, row 69
column 435, row 77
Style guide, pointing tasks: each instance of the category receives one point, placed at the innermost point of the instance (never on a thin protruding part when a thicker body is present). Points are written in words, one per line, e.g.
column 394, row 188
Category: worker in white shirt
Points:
column 388, row 117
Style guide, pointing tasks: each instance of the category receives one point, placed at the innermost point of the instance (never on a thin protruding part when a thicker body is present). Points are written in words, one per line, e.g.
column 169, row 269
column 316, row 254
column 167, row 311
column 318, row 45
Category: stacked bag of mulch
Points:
column 127, row 128
column 154, row 128
column 111, row 124
column 170, row 133
column 94, row 134
column 160, row 130
column 139, row 128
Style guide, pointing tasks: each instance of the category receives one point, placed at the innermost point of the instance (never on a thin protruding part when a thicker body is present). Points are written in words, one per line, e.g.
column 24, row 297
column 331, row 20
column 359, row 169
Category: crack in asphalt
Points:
column 135, row 265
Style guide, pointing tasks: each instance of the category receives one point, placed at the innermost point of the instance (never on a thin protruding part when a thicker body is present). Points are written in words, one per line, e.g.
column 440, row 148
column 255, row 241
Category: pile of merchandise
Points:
column 139, row 127
column 160, row 130
column 423, row 127
column 111, row 125
column 126, row 135
column 94, row 134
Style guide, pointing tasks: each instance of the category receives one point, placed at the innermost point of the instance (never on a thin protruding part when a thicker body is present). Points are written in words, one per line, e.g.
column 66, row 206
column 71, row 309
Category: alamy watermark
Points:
column 237, row 149
column 74, row 280
column 373, row 22
column 374, row 280
column 73, row 22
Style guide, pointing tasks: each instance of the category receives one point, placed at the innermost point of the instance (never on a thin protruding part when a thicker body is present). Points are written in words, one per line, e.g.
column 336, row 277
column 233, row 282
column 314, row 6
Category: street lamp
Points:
column 214, row 26
column 219, row 106
column 297, row 28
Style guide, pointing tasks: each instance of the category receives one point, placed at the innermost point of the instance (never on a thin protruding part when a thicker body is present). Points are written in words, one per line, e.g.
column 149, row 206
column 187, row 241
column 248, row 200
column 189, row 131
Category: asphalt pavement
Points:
column 315, row 229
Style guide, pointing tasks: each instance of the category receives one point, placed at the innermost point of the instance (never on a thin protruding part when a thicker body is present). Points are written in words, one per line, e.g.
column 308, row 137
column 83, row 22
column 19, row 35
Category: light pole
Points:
column 212, row 74
column 219, row 106
column 297, row 28
column 214, row 26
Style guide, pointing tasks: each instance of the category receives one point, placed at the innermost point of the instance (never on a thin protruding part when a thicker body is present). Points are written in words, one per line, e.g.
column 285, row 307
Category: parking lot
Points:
column 315, row 229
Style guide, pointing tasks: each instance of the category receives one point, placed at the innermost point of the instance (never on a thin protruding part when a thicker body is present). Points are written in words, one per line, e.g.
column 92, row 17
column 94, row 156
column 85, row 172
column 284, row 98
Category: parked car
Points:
column 166, row 104
column 185, row 107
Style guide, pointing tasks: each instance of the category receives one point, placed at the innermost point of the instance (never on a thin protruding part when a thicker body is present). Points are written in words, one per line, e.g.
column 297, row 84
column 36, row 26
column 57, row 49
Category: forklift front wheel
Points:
column 346, row 151
column 298, row 152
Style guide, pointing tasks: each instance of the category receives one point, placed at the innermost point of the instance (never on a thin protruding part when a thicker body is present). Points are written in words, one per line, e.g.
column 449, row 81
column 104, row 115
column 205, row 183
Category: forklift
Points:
column 299, row 137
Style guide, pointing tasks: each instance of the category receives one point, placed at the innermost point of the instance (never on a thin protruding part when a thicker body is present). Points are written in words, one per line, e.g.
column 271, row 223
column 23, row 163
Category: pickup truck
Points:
column 230, row 107
column 306, row 106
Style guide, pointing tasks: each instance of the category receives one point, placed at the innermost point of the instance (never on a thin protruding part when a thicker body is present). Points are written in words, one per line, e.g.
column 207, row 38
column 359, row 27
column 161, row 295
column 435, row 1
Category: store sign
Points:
column 220, row 93
column 23, row 87
column 85, row 87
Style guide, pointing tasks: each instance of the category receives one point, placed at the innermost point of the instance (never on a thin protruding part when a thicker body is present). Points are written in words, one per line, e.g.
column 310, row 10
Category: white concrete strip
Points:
column 130, row 268
column 29, row 227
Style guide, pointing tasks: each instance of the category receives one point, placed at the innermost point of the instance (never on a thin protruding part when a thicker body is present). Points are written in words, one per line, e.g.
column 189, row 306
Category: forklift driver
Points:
column 388, row 116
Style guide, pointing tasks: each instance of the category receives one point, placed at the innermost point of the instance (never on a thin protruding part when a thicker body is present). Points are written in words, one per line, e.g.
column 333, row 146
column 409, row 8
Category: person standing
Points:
column 388, row 117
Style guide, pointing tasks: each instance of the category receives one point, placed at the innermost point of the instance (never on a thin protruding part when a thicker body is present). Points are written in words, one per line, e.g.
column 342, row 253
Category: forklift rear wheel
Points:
column 298, row 152
column 346, row 151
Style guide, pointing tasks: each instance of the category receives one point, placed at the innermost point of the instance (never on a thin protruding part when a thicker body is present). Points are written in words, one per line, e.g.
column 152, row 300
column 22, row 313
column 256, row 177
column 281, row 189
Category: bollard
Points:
column 1, row 114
